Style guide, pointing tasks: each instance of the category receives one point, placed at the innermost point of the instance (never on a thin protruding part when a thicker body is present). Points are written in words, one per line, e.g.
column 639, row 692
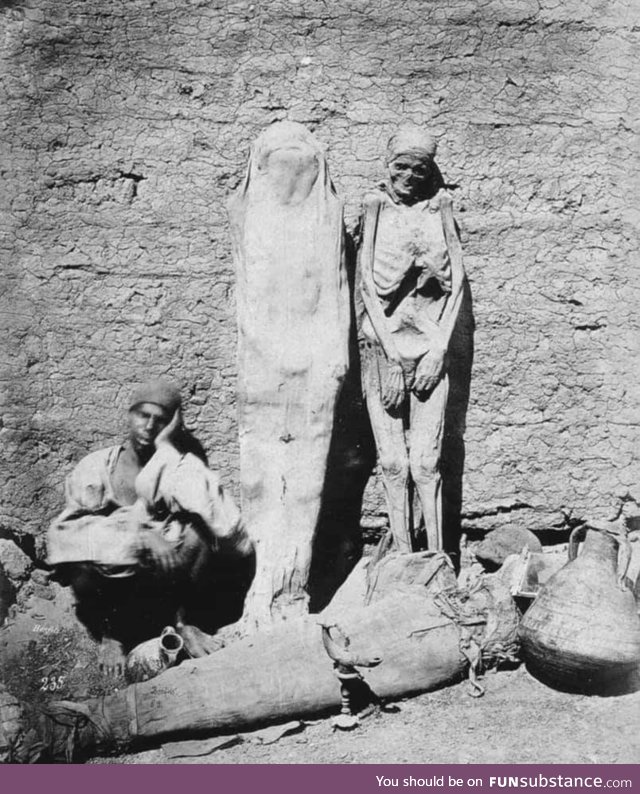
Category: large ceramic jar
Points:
column 582, row 632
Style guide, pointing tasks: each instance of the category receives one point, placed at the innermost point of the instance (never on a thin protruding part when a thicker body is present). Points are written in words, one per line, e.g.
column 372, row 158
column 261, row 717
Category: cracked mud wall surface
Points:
column 126, row 124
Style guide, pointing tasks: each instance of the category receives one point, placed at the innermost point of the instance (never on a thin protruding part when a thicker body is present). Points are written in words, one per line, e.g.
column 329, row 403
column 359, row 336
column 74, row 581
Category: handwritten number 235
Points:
column 51, row 683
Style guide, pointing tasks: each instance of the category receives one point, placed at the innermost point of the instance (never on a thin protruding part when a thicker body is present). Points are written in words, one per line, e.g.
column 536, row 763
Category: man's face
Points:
column 146, row 420
column 409, row 176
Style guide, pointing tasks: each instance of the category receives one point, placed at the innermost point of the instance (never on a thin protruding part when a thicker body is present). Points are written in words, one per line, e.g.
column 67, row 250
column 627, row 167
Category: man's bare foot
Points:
column 111, row 657
column 196, row 642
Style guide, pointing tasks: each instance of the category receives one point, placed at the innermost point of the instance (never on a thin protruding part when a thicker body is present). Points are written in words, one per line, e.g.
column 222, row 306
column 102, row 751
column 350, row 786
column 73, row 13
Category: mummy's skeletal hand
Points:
column 428, row 372
column 394, row 388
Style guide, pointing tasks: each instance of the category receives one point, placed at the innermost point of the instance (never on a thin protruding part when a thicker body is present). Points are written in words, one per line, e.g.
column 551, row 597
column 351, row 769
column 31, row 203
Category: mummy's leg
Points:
column 389, row 433
column 425, row 445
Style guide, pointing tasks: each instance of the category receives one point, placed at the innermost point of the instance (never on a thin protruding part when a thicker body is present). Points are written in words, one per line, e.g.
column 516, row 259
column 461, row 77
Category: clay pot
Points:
column 150, row 658
column 582, row 632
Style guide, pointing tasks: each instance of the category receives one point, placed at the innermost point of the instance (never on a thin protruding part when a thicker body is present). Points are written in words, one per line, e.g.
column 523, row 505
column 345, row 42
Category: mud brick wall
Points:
column 125, row 124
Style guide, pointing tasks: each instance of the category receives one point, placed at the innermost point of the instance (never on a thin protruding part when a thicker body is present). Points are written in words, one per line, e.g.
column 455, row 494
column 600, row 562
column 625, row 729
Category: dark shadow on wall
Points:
column 338, row 542
column 453, row 449
column 352, row 456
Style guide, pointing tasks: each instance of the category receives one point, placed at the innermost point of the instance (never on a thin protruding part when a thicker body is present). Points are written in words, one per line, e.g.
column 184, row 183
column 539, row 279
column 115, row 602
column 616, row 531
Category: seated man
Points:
column 148, row 537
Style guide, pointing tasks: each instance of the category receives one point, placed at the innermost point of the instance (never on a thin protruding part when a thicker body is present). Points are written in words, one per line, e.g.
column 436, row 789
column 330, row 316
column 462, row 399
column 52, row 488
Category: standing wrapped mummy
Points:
column 293, row 323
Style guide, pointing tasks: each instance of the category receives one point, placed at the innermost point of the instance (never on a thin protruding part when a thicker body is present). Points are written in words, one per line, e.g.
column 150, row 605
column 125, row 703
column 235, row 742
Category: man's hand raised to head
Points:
column 171, row 433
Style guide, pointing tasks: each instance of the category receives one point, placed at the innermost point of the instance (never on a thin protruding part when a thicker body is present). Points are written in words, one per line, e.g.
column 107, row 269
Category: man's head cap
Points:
column 160, row 392
column 411, row 139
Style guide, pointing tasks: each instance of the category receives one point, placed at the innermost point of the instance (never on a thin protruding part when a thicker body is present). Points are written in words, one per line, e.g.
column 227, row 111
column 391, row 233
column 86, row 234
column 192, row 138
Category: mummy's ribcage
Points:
column 409, row 237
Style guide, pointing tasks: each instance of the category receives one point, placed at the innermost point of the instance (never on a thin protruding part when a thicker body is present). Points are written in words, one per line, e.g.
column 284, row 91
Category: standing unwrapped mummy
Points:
column 293, row 323
column 412, row 286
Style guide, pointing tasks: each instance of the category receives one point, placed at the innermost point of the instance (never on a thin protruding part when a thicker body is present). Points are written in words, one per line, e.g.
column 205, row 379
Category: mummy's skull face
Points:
column 409, row 175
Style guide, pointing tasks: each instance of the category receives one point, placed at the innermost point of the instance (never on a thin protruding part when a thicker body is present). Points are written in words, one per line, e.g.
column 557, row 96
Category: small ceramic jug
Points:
column 582, row 632
column 150, row 658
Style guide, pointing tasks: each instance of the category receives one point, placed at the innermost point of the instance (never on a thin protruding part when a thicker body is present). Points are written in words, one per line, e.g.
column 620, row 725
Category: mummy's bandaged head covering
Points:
column 410, row 139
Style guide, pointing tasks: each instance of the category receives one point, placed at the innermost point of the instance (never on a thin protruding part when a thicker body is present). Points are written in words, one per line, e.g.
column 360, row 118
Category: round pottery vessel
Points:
column 150, row 658
column 582, row 632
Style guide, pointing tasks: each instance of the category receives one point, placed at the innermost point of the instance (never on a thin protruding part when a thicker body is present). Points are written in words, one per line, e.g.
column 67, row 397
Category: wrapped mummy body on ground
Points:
column 397, row 627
